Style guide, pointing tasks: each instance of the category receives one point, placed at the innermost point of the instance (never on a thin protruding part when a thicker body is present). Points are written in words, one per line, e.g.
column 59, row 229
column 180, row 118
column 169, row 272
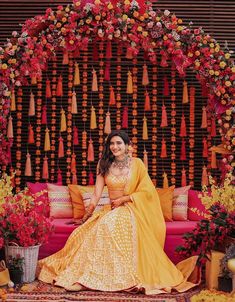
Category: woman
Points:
column 120, row 248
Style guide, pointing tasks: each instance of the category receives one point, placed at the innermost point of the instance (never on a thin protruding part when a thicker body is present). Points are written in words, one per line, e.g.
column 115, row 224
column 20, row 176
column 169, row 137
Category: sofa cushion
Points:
column 63, row 225
column 39, row 190
column 179, row 227
column 180, row 203
column 166, row 200
column 77, row 201
column 196, row 209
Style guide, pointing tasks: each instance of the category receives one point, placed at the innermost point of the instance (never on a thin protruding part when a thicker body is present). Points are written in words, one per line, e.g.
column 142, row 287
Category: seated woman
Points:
column 120, row 248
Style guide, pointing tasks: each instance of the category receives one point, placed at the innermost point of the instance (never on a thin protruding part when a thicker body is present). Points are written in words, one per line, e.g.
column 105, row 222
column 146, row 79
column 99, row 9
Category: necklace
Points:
column 121, row 164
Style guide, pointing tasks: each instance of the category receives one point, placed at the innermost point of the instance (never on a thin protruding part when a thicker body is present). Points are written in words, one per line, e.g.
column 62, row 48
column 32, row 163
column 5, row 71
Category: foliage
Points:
column 15, row 263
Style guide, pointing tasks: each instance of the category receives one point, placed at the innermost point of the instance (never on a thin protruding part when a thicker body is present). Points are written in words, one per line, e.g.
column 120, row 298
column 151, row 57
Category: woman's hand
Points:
column 88, row 213
column 115, row 203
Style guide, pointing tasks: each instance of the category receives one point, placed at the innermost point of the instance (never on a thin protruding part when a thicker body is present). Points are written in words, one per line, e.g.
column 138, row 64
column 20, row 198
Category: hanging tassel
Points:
column 30, row 135
column 185, row 93
column 183, row 178
column 125, row 118
column 59, row 177
column 107, row 126
column 61, row 147
column 90, row 152
column 93, row 124
column 74, row 107
column 145, row 77
column 73, row 163
column 183, row 132
column 76, row 80
column 75, row 136
column 48, row 89
column 129, row 89
column 44, row 115
column 112, row 100
column 13, row 100
column 205, row 147
column 45, row 172
column 164, row 122
column 145, row 159
column 47, row 144
column 147, row 106
column 65, row 58
column 165, row 181
column 91, row 181
column 74, row 179
column 107, row 71
column 28, row 166
column 183, row 150
column 213, row 160
column 108, row 54
column 59, row 89
column 204, row 117
column 163, row 149
column 31, row 105
column 33, row 80
column 163, row 62
column 63, row 126
column 10, row 128
column 95, row 53
column 129, row 54
column 166, row 90
column 205, row 181
column 94, row 81
column 145, row 129
column 213, row 127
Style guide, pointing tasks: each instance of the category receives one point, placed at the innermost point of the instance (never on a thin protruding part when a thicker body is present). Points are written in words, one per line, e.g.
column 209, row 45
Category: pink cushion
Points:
column 179, row 227
column 41, row 200
column 195, row 206
column 180, row 203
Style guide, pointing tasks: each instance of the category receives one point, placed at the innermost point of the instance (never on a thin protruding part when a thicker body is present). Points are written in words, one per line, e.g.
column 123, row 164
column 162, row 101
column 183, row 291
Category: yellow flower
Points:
column 227, row 55
column 233, row 69
column 4, row 66
column 180, row 28
column 110, row 6
column 217, row 72
column 211, row 72
column 228, row 83
column 145, row 33
column 222, row 64
column 139, row 28
column 124, row 17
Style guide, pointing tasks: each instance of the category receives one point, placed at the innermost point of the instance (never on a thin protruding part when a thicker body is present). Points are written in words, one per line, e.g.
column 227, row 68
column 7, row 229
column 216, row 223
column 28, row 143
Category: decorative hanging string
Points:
column 13, row 101
column 205, row 181
column 18, row 139
column 191, row 135
column 166, row 91
column 102, row 129
column 45, row 170
column 183, row 178
column 76, row 80
column 145, row 158
column 118, row 85
column 31, row 105
column 74, row 169
column 10, row 128
column 132, row 81
column 185, row 99
column 204, row 118
column 165, row 181
column 173, row 125
column 145, row 77
column 28, row 166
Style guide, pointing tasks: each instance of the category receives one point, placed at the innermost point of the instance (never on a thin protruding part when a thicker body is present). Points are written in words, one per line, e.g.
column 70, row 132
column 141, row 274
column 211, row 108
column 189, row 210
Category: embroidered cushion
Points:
column 196, row 209
column 180, row 203
column 41, row 197
column 166, row 200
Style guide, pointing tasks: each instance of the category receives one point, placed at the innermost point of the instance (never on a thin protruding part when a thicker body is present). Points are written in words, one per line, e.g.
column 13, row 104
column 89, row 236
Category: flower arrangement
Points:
column 218, row 224
column 212, row 296
column 15, row 263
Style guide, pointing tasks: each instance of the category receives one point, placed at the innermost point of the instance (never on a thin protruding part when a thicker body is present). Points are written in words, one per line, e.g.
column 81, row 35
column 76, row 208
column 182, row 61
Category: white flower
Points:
column 166, row 12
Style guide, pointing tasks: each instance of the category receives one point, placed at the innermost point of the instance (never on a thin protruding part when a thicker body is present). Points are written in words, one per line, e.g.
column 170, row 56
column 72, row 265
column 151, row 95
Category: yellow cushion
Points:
column 166, row 200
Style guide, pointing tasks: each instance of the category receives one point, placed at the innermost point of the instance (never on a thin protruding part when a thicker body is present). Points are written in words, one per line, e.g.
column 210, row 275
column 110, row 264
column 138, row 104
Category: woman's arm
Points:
column 120, row 201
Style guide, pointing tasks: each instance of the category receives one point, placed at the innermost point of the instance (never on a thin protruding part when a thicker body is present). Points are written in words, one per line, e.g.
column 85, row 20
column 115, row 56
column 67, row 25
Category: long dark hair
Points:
column 107, row 156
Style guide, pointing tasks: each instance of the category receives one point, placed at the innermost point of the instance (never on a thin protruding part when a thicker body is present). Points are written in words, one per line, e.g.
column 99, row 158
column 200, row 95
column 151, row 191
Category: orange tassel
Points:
column 112, row 100
column 205, row 181
column 10, row 128
column 90, row 153
column 164, row 122
column 31, row 105
column 147, row 106
column 185, row 99
column 48, row 89
column 129, row 54
column 213, row 160
column 28, row 166
column 59, row 89
column 213, row 127
column 145, row 77
column 73, row 163
column 65, row 58
column 204, row 117
column 63, row 126
column 145, row 129
column 61, row 147
column 59, row 177
column 33, row 80
column 13, row 100
column 47, row 144
column 205, row 148
column 74, row 109
column 183, row 178
column 107, row 126
column 129, row 89
column 165, row 181
column 30, row 135
column 74, row 179
column 94, row 81
column 93, row 124
column 76, row 80
column 45, row 173
column 163, row 149
column 145, row 159
column 183, row 132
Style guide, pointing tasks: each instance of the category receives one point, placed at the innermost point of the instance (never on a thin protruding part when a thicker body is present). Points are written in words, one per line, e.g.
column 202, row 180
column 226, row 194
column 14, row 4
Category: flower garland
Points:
column 118, row 85
column 154, row 123
column 101, row 98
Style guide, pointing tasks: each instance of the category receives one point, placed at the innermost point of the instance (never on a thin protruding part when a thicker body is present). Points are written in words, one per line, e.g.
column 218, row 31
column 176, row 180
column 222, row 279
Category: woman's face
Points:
column 117, row 146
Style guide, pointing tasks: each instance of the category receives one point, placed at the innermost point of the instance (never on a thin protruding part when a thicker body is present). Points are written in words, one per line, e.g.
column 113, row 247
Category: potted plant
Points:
column 15, row 266
column 225, row 277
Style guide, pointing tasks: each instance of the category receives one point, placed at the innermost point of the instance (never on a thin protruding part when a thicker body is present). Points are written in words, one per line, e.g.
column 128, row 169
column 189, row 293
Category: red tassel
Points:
column 31, row 105
column 204, row 118
column 147, row 106
column 164, row 122
column 213, row 127
column 45, row 173
column 129, row 54
column 10, row 128
column 65, row 58
column 95, row 53
column 91, row 181
column 213, row 160
column 107, row 71
column 183, row 132
column 59, row 177
column 48, row 89
column 75, row 136
column 90, row 153
column 74, row 179
column 61, row 147
column 145, row 77
column 73, row 163
column 205, row 148
column 108, row 50
column 59, row 90
column 183, row 178
column 30, row 135
column 28, row 166
column 164, row 61
column 205, row 181
column 125, row 117
column 44, row 115
column 166, row 90
column 112, row 100
column 163, row 149
column 204, row 89
column 183, row 150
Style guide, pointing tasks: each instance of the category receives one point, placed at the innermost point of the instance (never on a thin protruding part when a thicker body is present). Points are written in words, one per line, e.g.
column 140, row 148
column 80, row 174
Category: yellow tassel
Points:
column 165, row 181
column 213, row 160
column 204, row 118
column 94, row 81
column 65, row 58
column 63, row 126
column 93, row 124
column 185, row 93
column 28, row 166
column 10, row 128
column 145, row 159
column 107, row 127
column 31, row 105
column 145, row 78
column 13, row 100
column 145, row 129
column 33, row 80
column 47, row 144
column 129, row 83
column 76, row 75
column 74, row 109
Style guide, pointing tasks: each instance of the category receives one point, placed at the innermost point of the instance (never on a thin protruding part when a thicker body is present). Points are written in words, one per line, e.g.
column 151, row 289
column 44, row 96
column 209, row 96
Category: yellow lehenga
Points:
column 121, row 249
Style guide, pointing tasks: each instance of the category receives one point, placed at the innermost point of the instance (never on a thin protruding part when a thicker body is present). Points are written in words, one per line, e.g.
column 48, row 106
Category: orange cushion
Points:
column 166, row 200
column 180, row 203
column 77, row 201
